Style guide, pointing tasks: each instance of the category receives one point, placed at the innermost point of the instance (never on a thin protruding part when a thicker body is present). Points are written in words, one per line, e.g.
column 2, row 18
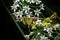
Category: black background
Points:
column 9, row 31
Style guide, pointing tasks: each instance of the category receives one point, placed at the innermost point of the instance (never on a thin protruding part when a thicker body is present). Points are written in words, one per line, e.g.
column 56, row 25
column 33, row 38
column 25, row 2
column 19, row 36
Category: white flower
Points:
column 34, row 1
column 20, row 3
column 26, row 9
column 27, row 0
column 42, row 6
column 56, row 26
column 27, row 37
column 50, row 34
column 26, row 12
column 38, row 1
column 34, row 39
column 37, row 12
column 14, row 7
column 16, row 0
column 38, row 22
column 44, row 38
column 30, row 1
column 22, row 0
column 18, row 14
column 30, row 13
column 38, row 33
column 48, row 29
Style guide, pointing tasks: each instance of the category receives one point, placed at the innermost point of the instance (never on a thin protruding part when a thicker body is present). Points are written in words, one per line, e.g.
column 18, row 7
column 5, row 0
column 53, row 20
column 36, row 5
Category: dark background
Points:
column 9, row 31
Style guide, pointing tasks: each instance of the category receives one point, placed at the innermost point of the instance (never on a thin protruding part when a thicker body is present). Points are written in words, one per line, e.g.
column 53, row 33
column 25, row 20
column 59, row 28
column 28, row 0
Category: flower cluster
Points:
column 24, row 8
column 26, row 11
column 44, row 30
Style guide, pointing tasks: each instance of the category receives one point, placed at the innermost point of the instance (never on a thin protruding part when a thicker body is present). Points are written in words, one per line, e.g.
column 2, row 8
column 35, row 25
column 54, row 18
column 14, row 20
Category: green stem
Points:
column 13, row 18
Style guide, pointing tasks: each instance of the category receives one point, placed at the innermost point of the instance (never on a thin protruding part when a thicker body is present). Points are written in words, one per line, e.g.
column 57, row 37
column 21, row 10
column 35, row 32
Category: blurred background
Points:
column 9, row 31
